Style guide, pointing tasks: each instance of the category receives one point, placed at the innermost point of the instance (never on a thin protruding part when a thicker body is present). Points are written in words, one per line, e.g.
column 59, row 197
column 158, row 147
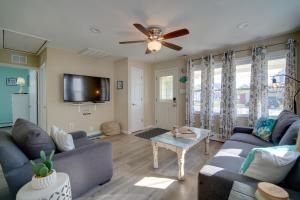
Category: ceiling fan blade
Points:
column 141, row 28
column 148, row 51
column 171, row 46
column 175, row 34
column 134, row 41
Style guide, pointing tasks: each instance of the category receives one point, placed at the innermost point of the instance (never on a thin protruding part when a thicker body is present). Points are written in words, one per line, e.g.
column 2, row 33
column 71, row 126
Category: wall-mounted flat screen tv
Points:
column 78, row 88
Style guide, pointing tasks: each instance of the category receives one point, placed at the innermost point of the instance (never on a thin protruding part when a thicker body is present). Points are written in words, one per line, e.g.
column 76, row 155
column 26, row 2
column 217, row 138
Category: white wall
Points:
column 66, row 115
column 121, row 95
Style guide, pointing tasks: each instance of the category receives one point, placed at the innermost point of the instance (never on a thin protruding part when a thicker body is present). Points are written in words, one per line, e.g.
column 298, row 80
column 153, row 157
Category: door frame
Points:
column 130, row 129
column 28, row 67
column 42, row 97
column 177, row 92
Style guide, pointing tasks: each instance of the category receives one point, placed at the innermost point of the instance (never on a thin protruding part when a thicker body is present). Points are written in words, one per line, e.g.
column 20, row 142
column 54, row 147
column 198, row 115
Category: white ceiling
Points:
column 212, row 23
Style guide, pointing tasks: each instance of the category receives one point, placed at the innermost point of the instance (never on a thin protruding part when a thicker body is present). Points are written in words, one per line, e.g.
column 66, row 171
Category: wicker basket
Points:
column 111, row 128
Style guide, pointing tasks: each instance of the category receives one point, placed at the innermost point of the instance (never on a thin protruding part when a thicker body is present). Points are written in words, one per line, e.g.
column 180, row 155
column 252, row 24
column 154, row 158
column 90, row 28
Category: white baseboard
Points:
column 125, row 131
column 143, row 129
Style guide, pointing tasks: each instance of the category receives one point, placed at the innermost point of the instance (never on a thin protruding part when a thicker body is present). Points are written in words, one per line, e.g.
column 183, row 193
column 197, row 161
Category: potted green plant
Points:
column 44, row 174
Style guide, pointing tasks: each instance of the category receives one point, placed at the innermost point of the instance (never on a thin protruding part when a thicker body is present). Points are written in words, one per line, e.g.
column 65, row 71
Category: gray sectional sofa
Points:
column 88, row 165
column 216, row 178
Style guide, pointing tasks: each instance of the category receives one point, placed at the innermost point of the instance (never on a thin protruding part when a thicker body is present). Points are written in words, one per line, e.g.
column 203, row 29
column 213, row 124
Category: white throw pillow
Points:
column 63, row 140
column 270, row 164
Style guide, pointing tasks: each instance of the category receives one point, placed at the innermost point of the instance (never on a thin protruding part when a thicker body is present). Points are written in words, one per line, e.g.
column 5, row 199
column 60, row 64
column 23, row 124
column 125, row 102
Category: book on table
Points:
column 185, row 132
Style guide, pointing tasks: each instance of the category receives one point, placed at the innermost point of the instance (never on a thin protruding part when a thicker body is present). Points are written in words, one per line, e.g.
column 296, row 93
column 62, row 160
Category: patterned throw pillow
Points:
column 263, row 128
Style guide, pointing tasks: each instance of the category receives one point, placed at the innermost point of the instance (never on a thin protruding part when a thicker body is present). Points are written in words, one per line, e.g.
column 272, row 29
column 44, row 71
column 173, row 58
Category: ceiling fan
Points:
column 155, row 38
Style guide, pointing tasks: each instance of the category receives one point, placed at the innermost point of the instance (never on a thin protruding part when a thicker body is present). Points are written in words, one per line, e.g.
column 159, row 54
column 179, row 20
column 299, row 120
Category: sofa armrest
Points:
column 242, row 129
column 87, row 166
column 218, row 185
column 78, row 134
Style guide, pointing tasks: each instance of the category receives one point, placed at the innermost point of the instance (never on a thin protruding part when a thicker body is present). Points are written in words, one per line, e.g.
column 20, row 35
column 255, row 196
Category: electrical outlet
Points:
column 91, row 128
column 71, row 125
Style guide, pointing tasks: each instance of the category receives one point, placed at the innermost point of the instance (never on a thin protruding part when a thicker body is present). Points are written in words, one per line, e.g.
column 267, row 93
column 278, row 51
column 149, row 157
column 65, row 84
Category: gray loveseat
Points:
column 216, row 178
column 88, row 165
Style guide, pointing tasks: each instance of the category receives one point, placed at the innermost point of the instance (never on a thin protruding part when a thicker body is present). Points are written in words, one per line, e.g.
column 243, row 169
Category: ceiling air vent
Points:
column 94, row 53
column 18, row 59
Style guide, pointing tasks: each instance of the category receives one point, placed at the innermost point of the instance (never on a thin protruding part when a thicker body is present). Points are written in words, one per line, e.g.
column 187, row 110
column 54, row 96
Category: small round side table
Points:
column 61, row 189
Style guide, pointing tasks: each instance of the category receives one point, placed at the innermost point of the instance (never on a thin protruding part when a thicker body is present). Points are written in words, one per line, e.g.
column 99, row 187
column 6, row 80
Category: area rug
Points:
column 148, row 134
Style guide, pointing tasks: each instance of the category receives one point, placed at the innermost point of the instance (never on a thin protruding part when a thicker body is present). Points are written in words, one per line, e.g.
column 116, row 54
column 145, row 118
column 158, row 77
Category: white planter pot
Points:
column 39, row 183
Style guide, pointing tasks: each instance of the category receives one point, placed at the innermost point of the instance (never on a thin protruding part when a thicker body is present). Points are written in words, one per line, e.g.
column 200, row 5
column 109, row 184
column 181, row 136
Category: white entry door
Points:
column 166, row 98
column 136, row 99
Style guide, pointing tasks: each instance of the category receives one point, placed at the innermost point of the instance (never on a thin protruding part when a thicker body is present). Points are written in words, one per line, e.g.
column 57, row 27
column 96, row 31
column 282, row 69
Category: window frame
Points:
column 273, row 56
column 243, row 61
column 218, row 65
column 279, row 54
column 196, row 68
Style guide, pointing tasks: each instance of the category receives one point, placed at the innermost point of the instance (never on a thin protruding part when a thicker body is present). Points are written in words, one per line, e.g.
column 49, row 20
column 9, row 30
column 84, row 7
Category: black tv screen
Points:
column 78, row 88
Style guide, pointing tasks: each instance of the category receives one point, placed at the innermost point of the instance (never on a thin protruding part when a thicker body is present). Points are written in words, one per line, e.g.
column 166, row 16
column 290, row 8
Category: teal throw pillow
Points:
column 264, row 127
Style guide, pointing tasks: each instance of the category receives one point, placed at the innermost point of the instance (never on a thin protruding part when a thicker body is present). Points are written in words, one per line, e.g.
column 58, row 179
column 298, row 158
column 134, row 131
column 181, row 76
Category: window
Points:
column 276, row 96
column 243, row 77
column 166, row 88
column 197, row 90
column 276, row 66
column 217, row 89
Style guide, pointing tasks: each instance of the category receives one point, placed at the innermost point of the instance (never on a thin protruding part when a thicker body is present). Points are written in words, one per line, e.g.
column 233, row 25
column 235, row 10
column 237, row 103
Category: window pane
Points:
column 243, row 74
column 275, row 96
column 197, row 90
column 197, row 102
column 217, row 90
column 166, row 88
column 197, row 80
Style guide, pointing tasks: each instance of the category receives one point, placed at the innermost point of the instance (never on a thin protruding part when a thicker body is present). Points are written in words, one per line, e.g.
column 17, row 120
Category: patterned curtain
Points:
column 228, row 95
column 258, row 102
column 189, row 95
column 207, row 94
column 290, row 85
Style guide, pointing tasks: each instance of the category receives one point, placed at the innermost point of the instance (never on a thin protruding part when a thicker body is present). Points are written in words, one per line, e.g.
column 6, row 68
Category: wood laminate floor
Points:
column 135, row 179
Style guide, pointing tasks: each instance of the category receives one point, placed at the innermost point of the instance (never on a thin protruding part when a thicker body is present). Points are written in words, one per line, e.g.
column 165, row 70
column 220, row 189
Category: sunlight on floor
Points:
column 229, row 153
column 155, row 182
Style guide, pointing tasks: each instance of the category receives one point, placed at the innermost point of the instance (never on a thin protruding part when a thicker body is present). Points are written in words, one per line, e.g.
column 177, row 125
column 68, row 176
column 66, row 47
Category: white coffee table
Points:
column 61, row 189
column 179, row 146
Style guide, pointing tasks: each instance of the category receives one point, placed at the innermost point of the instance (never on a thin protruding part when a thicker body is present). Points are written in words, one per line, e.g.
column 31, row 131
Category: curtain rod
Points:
column 248, row 49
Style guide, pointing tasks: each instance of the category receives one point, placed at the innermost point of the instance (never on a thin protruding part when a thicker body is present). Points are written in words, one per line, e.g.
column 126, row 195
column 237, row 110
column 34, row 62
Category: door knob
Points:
column 133, row 104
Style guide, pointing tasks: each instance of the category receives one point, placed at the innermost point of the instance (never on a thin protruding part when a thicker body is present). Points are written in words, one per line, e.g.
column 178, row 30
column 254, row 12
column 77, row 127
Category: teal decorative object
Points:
column 264, row 128
column 183, row 79
column 44, row 168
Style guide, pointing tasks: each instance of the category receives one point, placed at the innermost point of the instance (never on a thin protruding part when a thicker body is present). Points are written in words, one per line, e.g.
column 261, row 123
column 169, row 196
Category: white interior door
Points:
column 136, row 99
column 166, row 97
column 33, row 96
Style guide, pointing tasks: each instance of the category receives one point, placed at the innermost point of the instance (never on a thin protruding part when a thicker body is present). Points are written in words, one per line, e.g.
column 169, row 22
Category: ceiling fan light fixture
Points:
column 154, row 45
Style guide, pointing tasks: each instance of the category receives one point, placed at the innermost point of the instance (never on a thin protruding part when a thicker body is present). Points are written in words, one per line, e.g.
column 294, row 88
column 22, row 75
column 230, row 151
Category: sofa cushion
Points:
column 284, row 121
column 250, row 139
column 31, row 139
column 237, row 148
column 82, row 142
column 291, row 134
column 11, row 157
